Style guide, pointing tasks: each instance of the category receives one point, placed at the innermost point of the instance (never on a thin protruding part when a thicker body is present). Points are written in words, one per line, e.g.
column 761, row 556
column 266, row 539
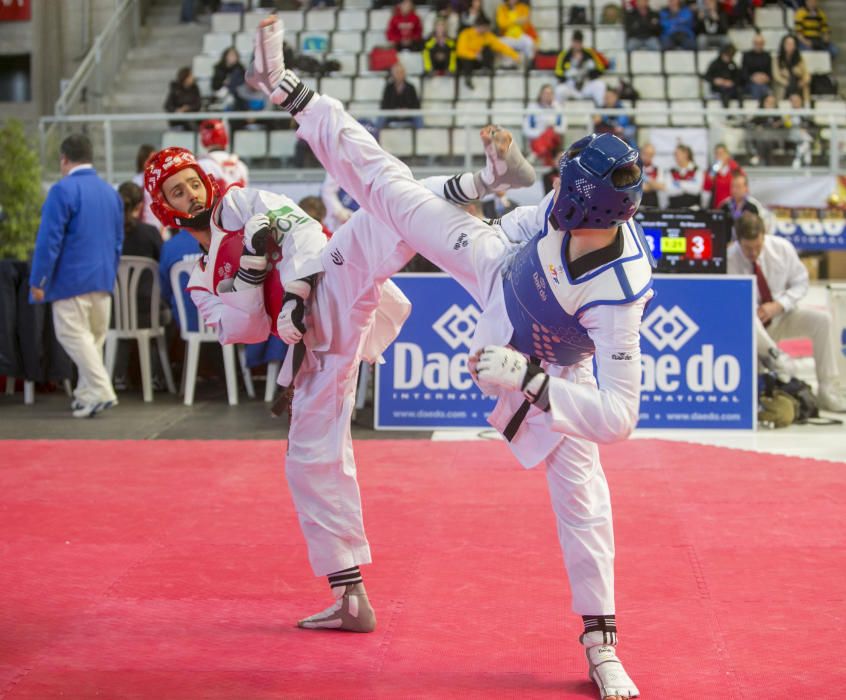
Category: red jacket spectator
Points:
column 405, row 30
column 718, row 178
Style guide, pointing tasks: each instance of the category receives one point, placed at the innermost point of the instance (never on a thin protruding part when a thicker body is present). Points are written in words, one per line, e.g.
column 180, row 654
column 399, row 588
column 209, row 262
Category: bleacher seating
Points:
column 670, row 86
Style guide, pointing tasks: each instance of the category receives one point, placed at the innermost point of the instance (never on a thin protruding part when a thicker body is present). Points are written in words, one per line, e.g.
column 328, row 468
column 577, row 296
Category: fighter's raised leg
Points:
column 452, row 239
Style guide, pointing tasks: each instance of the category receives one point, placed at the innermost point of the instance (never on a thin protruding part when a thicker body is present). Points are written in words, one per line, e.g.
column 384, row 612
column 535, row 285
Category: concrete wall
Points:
column 57, row 37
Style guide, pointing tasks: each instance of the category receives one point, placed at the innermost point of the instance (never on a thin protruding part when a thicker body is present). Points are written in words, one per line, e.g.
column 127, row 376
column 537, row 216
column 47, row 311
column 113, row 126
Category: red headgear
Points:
column 160, row 166
column 213, row 133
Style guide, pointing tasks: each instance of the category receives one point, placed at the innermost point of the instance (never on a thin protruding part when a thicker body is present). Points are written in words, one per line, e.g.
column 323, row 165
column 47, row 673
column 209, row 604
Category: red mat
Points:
column 176, row 570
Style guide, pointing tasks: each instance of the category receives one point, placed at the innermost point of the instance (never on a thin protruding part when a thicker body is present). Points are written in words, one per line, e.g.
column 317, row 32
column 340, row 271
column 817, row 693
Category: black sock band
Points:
column 252, row 277
column 347, row 577
column 453, row 192
column 298, row 94
column 607, row 624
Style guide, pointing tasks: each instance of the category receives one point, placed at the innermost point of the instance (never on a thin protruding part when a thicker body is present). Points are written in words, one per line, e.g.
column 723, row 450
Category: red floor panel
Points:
column 176, row 569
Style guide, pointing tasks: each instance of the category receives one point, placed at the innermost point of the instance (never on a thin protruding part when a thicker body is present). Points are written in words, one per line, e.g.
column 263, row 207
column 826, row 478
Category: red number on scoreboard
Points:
column 699, row 244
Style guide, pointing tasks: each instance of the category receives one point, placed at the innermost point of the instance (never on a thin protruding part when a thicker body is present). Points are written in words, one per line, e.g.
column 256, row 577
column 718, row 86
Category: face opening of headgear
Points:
column 213, row 134
column 601, row 184
column 165, row 164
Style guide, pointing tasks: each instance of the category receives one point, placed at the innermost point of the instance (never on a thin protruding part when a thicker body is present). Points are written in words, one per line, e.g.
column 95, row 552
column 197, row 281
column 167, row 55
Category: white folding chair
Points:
column 179, row 274
column 131, row 270
column 216, row 44
column 222, row 22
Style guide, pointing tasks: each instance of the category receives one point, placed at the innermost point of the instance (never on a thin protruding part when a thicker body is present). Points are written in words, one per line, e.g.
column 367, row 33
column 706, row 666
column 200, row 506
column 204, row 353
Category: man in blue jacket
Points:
column 74, row 267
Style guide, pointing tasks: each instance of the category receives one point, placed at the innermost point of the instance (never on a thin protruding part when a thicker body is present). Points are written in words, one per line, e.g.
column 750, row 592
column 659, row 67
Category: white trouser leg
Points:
column 763, row 340
column 582, row 505
column 81, row 323
column 816, row 325
column 522, row 44
column 594, row 90
column 565, row 91
column 320, row 466
column 458, row 243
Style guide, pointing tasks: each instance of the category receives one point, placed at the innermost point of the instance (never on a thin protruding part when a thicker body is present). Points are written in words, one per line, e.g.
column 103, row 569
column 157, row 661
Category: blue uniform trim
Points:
column 618, row 302
column 624, row 281
column 598, row 271
column 642, row 238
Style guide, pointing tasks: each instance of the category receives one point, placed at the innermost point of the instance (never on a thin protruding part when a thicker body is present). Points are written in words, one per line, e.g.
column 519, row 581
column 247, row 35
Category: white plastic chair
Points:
column 204, row 334
column 131, row 270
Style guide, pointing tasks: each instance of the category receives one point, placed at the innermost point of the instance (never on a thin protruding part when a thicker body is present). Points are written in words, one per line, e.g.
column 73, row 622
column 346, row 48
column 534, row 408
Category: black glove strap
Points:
column 299, row 311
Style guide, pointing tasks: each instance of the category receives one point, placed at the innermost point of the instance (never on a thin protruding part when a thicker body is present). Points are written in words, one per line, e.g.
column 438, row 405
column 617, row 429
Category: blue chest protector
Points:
column 544, row 305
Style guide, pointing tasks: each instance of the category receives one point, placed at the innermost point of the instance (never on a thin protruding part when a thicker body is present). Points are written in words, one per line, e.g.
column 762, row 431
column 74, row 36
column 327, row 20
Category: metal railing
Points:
column 85, row 90
column 116, row 128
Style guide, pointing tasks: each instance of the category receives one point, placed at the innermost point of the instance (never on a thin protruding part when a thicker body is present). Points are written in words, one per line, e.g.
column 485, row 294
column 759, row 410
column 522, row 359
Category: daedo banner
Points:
column 424, row 383
column 698, row 361
column 698, row 354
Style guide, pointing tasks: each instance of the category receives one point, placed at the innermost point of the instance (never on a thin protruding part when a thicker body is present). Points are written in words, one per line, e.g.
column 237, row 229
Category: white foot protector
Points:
column 268, row 65
column 606, row 670
column 351, row 611
column 505, row 166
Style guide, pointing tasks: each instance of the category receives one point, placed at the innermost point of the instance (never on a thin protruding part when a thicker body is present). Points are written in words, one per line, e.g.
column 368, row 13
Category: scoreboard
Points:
column 686, row 241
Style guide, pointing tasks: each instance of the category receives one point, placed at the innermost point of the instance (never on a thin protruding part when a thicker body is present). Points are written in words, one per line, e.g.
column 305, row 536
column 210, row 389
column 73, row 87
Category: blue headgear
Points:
column 587, row 197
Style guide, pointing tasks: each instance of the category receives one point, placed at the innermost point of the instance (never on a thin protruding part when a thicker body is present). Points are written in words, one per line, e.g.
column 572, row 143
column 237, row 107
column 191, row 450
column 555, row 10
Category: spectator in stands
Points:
column 439, row 51
column 724, row 76
column 740, row 13
column 145, row 150
column 678, row 25
column 470, row 13
column 652, row 181
column 740, row 201
column 790, row 74
column 718, row 178
column 405, row 30
column 782, row 282
column 475, row 49
column 811, row 25
column 514, row 24
column 757, row 69
column 228, row 77
column 399, row 94
column 74, row 266
column 763, row 132
column 543, row 127
column 711, row 26
column 578, row 70
column 643, row 28
column 683, row 183
column 180, row 246
column 316, row 209
column 184, row 96
column 621, row 125
column 799, row 132
column 188, row 10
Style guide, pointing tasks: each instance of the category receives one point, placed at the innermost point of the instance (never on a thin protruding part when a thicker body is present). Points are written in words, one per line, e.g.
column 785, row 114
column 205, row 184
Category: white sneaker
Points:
column 831, row 398
column 351, row 611
column 89, row 410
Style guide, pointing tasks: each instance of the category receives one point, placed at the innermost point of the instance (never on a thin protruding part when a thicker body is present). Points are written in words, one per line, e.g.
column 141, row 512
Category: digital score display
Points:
column 686, row 240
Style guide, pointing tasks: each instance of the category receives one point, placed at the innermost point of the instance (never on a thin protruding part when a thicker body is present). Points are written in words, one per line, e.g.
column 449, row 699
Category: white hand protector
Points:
column 289, row 323
column 502, row 366
column 257, row 230
column 268, row 65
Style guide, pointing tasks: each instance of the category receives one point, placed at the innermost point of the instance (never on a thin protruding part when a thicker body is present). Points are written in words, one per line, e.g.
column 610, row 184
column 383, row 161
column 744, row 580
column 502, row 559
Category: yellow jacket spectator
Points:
column 439, row 51
column 513, row 21
column 475, row 49
column 811, row 25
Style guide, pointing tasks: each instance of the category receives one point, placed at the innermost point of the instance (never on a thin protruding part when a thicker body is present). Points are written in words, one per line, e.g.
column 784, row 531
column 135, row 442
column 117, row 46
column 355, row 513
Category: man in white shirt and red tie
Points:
column 782, row 281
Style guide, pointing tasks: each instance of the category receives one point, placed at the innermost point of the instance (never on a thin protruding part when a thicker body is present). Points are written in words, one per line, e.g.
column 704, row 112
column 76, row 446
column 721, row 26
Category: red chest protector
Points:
column 226, row 266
